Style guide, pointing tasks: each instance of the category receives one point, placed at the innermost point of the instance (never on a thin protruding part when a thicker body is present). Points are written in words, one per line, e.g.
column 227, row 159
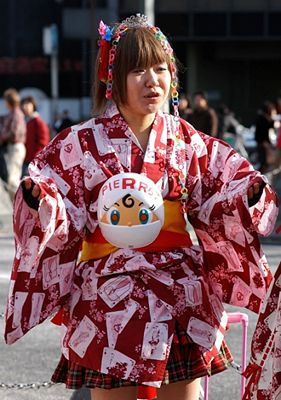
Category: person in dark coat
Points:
column 264, row 122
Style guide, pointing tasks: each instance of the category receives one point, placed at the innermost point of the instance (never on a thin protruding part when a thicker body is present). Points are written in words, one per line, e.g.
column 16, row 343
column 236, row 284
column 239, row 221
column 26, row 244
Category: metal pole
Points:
column 54, row 76
column 149, row 10
column 54, row 83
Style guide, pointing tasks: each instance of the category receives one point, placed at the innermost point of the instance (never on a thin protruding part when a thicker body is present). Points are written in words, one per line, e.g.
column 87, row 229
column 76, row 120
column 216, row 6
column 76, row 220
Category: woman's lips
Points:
column 152, row 95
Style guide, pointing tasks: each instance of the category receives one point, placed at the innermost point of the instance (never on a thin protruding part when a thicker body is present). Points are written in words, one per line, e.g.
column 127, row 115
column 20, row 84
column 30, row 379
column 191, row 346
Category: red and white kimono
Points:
column 120, row 309
column 264, row 370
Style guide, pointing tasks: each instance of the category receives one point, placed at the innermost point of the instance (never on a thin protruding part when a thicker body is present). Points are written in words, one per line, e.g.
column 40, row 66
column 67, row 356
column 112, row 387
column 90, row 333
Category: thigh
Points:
column 123, row 393
column 183, row 390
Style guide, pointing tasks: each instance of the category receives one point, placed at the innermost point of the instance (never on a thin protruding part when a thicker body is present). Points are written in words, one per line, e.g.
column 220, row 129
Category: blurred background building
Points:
column 229, row 48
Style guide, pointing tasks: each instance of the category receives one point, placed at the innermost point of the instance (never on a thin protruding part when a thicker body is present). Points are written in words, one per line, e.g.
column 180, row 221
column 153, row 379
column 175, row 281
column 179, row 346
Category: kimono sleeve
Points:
column 47, row 241
column 263, row 372
column 228, row 228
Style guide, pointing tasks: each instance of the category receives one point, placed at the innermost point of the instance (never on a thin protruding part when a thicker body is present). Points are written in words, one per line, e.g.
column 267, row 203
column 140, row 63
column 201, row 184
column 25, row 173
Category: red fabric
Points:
column 37, row 136
column 252, row 374
column 139, row 295
column 146, row 392
column 57, row 319
column 185, row 363
column 104, row 56
column 263, row 372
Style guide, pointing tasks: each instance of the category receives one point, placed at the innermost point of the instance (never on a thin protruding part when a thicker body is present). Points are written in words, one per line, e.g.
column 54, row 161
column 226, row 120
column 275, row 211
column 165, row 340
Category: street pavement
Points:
column 33, row 358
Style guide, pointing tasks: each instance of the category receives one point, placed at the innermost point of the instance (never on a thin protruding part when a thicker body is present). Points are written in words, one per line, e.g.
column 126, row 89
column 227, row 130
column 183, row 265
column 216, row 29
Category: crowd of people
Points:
column 23, row 134
column 12, row 141
column 223, row 124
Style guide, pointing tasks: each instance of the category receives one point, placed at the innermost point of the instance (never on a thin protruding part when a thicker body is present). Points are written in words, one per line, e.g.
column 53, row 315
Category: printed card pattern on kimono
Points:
column 264, row 370
column 120, row 310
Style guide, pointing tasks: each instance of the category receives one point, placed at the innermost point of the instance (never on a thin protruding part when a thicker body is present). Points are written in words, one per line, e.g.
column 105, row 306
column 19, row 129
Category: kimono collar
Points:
column 154, row 163
column 112, row 111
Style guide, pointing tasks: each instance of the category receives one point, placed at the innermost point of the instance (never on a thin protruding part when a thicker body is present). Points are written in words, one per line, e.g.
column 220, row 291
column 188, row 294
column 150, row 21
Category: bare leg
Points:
column 123, row 393
column 183, row 390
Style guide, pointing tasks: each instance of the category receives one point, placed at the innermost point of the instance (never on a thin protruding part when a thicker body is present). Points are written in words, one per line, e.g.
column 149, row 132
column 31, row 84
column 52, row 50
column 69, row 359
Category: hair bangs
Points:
column 147, row 50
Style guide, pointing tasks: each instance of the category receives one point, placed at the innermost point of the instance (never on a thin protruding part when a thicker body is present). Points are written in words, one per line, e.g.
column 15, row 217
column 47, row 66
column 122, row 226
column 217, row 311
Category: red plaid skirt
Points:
column 185, row 362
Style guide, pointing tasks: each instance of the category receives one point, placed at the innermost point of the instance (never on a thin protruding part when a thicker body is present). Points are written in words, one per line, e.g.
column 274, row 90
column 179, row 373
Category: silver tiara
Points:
column 136, row 21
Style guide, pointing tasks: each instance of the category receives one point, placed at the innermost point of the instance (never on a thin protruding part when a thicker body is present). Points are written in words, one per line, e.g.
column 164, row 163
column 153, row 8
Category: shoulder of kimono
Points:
column 190, row 132
column 89, row 124
column 79, row 129
column 210, row 140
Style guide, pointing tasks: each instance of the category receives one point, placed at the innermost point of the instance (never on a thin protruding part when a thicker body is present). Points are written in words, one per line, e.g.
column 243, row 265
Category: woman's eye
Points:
column 114, row 216
column 162, row 68
column 144, row 216
column 138, row 71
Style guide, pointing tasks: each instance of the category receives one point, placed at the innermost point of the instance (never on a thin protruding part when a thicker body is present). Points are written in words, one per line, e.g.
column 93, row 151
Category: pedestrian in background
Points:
column 140, row 305
column 203, row 117
column 3, row 150
column 37, row 131
column 13, row 136
column 62, row 121
column 277, row 163
column 227, row 122
column 184, row 106
column 264, row 123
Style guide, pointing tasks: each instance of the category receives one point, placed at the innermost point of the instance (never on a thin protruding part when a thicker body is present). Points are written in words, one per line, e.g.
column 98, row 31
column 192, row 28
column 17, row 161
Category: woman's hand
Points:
column 31, row 193
column 254, row 189
column 255, row 192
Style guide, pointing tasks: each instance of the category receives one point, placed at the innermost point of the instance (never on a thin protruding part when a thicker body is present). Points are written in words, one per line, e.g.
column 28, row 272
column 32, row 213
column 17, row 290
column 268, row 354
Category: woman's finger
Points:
column 250, row 192
column 256, row 187
column 27, row 183
column 36, row 191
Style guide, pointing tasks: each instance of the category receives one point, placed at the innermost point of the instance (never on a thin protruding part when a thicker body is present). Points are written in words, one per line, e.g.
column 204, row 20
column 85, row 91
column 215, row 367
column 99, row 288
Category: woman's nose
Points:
column 152, row 79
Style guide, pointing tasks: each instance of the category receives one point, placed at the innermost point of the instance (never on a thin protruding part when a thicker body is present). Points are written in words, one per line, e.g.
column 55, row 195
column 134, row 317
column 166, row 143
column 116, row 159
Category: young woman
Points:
column 37, row 131
column 12, row 136
column 141, row 306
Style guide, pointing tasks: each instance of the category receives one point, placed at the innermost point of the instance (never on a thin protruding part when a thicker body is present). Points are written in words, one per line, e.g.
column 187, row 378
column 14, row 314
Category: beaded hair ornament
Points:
column 109, row 39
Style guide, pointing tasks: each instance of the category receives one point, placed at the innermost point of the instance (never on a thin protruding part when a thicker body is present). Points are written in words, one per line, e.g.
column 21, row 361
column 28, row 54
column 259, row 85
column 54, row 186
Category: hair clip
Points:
column 105, row 31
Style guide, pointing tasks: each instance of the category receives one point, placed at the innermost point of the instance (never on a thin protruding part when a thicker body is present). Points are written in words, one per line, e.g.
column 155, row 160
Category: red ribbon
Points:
column 104, row 58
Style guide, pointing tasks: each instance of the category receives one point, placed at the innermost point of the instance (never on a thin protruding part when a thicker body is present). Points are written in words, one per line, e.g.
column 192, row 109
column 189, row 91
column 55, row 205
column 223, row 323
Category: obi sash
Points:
column 172, row 236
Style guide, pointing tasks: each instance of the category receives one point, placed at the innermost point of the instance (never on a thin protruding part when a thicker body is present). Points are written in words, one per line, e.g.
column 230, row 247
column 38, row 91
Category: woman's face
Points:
column 147, row 89
column 27, row 108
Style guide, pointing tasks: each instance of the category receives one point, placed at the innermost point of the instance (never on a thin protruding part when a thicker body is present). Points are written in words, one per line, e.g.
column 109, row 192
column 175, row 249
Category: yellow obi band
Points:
column 172, row 236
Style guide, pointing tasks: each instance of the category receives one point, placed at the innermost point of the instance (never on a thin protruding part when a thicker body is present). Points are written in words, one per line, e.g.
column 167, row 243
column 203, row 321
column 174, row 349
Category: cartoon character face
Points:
column 129, row 211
